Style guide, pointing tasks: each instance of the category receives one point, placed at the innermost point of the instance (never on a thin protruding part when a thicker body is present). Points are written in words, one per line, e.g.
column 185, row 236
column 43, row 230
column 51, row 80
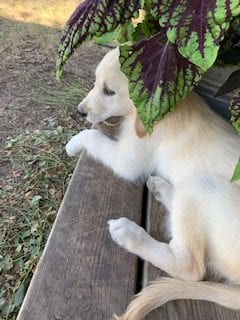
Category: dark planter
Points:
column 211, row 82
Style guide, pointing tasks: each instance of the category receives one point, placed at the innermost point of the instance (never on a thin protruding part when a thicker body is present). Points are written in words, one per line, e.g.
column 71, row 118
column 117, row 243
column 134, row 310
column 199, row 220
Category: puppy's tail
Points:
column 167, row 289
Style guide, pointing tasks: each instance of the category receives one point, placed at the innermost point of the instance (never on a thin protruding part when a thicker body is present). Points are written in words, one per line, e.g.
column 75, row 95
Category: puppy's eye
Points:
column 107, row 91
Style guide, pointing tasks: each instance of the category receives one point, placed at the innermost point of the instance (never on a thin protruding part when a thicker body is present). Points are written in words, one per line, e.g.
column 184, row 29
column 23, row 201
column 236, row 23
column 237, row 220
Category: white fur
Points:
column 192, row 154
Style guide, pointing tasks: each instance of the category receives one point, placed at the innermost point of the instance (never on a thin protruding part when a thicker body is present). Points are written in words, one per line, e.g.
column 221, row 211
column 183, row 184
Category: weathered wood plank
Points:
column 182, row 309
column 82, row 274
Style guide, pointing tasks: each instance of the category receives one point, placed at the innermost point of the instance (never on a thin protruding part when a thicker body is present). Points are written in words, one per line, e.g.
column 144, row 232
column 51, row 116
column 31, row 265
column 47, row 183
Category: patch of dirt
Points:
column 29, row 94
column 31, row 101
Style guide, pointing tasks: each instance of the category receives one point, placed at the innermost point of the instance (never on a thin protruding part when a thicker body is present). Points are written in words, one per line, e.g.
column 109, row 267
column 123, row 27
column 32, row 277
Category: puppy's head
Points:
column 109, row 96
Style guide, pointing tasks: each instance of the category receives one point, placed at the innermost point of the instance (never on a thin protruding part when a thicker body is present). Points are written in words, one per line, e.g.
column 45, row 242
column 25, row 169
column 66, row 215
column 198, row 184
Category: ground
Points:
column 28, row 89
column 31, row 103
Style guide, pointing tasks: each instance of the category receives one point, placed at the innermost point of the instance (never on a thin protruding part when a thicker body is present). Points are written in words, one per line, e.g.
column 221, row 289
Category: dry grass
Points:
column 39, row 169
column 30, row 200
column 52, row 13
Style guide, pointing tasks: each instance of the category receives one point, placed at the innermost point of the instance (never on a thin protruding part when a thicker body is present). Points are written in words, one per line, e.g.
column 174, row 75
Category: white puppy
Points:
column 192, row 152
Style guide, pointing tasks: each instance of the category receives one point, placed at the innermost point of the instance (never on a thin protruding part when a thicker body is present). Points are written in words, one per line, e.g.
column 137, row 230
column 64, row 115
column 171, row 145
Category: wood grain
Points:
column 82, row 274
column 182, row 309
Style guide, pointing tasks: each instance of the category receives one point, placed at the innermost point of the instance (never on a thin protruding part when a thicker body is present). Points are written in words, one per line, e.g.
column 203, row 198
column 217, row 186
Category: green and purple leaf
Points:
column 159, row 77
column 235, row 119
column 236, row 173
column 235, row 111
column 196, row 26
column 165, row 56
column 93, row 18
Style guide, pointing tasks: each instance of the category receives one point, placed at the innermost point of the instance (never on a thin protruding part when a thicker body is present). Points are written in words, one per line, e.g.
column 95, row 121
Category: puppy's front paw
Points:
column 126, row 233
column 73, row 147
column 78, row 142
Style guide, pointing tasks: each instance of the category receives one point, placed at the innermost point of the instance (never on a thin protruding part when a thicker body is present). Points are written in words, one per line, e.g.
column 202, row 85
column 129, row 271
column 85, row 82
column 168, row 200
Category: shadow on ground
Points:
column 29, row 92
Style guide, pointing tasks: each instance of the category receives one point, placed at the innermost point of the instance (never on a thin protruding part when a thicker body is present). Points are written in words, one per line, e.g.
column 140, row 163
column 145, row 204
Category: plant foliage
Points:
column 165, row 53
column 152, row 84
column 93, row 18
column 235, row 111
column 179, row 47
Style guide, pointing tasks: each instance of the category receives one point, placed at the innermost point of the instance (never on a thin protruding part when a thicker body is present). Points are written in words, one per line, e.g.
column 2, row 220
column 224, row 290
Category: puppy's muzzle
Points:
column 82, row 110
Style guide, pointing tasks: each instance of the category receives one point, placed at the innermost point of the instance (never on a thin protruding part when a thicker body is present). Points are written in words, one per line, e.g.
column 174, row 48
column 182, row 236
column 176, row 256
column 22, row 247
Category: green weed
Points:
column 66, row 94
column 29, row 203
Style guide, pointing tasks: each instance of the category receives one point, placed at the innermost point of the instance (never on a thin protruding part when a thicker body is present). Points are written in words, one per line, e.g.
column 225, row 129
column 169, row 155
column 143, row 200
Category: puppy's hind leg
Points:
column 162, row 190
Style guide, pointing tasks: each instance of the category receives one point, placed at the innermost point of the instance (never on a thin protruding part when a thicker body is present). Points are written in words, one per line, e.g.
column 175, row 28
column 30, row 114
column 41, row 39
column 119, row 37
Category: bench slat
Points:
column 83, row 274
column 182, row 309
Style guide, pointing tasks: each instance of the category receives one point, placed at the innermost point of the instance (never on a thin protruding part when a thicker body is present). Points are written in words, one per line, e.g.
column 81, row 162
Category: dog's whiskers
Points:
column 77, row 219
column 87, row 233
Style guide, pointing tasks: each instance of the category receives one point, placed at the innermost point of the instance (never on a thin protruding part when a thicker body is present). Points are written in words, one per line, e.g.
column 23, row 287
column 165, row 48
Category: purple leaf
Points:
column 93, row 18
column 196, row 26
column 159, row 77
column 235, row 111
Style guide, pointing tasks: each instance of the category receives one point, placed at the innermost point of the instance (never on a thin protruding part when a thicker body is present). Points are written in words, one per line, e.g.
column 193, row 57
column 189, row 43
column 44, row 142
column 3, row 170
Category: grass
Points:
column 40, row 168
column 52, row 13
column 30, row 200
column 66, row 94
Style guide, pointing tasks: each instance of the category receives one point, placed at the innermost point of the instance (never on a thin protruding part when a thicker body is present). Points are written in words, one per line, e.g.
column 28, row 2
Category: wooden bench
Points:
column 83, row 274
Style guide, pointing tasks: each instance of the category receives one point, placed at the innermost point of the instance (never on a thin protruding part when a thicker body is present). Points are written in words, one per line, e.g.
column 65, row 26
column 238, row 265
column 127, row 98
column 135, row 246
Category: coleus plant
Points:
column 166, row 53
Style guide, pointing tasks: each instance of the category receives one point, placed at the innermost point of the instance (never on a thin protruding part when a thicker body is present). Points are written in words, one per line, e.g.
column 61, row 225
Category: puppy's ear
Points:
column 139, row 127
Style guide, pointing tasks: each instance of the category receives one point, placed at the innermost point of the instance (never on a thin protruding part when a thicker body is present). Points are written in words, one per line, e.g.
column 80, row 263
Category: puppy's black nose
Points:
column 82, row 113
column 82, row 110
